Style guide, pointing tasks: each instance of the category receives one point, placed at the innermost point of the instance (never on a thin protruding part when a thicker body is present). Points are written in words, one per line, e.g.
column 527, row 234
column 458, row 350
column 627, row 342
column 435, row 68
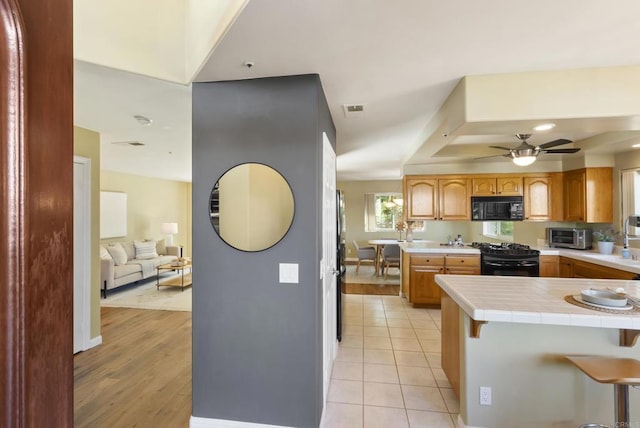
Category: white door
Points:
column 329, row 243
column 81, row 253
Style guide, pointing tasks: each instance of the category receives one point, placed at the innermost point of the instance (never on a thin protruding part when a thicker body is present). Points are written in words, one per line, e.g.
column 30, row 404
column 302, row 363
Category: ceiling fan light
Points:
column 524, row 160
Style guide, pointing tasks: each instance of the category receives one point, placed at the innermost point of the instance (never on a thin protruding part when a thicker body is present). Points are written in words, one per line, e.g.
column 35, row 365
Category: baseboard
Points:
column 460, row 423
column 196, row 422
column 95, row 341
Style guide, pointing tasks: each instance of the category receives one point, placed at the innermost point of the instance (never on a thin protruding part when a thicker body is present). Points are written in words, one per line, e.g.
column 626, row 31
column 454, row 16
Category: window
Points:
column 498, row 229
column 382, row 211
column 630, row 183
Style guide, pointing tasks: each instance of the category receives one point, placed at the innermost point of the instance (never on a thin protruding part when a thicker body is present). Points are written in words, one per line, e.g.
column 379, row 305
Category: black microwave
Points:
column 492, row 208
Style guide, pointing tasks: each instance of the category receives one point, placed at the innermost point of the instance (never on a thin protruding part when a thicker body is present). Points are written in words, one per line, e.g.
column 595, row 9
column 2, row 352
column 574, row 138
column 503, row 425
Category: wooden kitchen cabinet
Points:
column 497, row 186
column 462, row 264
column 423, row 268
column 565, row 267
column 429, row 198
column 549, row 266
column 588, row 195
column 422, row 284
column 537, row 198
column 421, row 198
column 543, row 197
column 571, row 268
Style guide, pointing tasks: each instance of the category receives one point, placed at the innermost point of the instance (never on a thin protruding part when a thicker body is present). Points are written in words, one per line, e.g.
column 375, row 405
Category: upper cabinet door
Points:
column 421, row 199
column 497, row 186
column 575, row 196
column 483, row 186
column 509, row 186
column 454, row 198
column 537, row 198
column 587, row 195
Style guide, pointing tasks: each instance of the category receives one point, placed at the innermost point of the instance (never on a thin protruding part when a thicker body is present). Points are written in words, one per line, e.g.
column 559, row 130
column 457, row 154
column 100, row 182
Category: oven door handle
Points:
column 514, row 263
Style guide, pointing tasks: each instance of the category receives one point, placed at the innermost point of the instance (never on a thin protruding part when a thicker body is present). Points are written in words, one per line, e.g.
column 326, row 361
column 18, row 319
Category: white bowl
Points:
column 603, row 297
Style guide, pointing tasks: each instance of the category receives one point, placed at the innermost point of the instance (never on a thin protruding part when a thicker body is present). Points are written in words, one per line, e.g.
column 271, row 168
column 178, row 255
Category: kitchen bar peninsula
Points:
column 511, row 334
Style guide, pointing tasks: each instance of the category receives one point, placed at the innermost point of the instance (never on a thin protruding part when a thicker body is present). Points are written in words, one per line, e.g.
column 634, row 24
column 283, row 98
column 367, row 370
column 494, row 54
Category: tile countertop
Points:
column 592, row 256
column 613, row 261
column 426, row 247
column 531, row 300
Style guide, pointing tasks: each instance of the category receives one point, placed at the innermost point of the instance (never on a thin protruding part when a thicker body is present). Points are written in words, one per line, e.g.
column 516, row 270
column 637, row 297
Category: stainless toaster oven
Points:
column 569, row 237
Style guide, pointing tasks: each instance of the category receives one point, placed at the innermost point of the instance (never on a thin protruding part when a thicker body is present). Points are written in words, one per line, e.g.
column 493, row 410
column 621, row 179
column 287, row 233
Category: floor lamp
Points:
column 169, row 229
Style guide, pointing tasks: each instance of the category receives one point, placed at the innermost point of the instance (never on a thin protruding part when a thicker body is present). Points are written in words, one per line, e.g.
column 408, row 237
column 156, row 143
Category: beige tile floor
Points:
column 387, row 372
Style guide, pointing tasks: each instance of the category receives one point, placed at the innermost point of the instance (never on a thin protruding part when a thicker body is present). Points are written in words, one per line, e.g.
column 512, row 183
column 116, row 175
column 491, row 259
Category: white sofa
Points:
column 130, row 261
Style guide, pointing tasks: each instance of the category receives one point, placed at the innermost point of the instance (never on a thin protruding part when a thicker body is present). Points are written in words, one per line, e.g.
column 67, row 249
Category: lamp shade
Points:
column 169, row 228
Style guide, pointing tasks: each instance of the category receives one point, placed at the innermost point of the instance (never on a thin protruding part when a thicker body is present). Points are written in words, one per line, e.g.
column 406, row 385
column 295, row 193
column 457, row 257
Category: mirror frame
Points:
column 216, row 226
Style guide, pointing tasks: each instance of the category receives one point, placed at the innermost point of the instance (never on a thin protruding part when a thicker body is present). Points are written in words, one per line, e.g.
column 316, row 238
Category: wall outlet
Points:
column 485, row 395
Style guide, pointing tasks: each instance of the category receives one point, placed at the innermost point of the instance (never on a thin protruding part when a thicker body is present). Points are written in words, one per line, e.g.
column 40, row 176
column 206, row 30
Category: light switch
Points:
column 289, row 273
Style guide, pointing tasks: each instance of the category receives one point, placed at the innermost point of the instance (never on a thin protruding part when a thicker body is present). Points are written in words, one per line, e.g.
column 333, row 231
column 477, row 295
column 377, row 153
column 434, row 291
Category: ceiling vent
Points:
column 128, row 143
column 353, row 110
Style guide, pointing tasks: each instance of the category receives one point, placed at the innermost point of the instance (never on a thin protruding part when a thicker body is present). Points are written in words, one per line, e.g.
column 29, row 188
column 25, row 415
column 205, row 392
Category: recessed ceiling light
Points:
column 142, row 120
column 544, row 127
column 635, row 146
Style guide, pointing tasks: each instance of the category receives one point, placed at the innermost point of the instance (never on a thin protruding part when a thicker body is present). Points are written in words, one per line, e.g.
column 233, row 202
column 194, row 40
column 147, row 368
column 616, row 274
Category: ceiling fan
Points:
column 526, row 154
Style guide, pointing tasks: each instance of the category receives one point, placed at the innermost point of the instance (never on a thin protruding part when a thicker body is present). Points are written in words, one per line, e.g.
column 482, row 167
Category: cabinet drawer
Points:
column 426, row 260
column 463, row 261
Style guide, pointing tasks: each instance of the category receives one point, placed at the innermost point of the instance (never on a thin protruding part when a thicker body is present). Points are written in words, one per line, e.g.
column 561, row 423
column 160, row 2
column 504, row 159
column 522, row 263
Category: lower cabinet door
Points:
column 423, row 285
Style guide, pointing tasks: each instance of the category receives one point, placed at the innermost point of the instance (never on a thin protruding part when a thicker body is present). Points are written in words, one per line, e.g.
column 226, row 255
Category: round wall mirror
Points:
column 251, row 207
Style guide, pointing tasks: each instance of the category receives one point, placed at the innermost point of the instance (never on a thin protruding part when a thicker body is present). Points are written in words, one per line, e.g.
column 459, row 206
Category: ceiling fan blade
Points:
column 493, row 156
column 561, row 151
column 555, row 143
column 501, row 148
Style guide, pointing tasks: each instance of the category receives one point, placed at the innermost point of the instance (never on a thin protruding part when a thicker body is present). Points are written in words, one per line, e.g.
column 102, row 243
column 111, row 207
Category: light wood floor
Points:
column 140, row 376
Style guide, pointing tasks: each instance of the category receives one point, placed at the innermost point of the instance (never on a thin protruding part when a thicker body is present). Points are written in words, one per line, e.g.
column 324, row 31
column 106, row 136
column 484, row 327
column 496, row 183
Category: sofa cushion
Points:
column 129, row 249
column 104, row 254
column 145, row 250
column 161, row 247
column 117, row 253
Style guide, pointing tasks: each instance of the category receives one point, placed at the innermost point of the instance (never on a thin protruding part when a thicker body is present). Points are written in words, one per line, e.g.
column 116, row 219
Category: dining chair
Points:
column 390, row 257
column 364, row 254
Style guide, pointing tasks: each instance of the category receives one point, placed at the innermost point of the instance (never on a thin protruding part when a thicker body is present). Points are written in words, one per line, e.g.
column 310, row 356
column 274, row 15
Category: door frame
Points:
column 85, row 254
column 328, row 263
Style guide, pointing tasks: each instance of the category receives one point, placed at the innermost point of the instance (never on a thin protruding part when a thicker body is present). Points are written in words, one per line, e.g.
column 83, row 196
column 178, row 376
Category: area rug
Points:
column 145, row 295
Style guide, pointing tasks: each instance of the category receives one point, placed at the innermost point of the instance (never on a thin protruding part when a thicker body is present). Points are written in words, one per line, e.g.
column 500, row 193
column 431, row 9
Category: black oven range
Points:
column 508, row 259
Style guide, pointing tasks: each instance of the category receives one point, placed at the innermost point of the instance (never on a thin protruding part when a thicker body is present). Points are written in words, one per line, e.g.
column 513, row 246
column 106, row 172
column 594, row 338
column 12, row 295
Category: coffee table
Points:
column 182, row 280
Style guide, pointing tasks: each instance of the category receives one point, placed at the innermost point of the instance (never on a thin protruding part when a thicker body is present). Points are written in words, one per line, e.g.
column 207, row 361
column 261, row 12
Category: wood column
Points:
column 36, row 219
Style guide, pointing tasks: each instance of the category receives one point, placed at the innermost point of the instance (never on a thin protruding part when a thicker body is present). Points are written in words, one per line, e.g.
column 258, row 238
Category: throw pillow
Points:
column 104, row 254
column 117, row 253
column 145, row 250
column 161, row 246
column 129, row 248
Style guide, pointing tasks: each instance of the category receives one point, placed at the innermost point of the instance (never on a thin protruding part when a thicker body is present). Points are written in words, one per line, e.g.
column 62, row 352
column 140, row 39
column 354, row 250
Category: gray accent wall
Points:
column 257, row 344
